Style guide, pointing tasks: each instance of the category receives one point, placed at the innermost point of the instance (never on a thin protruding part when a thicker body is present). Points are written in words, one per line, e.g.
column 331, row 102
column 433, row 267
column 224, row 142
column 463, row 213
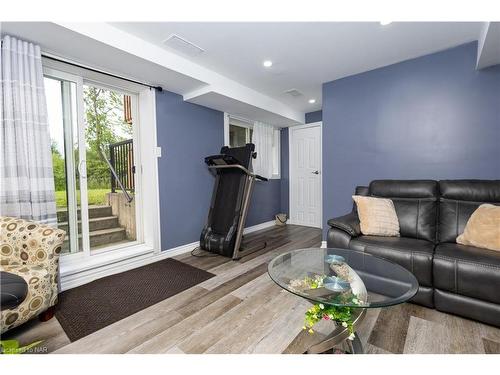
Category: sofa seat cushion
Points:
column 467, row 270
column 414, row 255
column 37, row 277
column 13, row 290
column 38, row 298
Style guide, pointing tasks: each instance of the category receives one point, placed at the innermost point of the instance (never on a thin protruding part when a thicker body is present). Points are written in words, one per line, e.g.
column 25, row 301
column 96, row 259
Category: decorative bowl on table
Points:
column 336, row 284
column 334, row 259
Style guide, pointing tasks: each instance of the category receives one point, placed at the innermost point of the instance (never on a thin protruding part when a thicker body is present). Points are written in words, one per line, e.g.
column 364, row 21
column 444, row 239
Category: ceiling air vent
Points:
column 293, row 92
column 183, row 45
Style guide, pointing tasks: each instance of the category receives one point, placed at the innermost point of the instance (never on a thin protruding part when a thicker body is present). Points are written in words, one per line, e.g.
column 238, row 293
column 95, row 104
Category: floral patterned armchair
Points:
column 31, row 251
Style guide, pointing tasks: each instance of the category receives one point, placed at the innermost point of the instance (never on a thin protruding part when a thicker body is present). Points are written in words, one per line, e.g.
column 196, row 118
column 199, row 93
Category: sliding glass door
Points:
column 65, row 113
column 92, row 128
column 111, row 174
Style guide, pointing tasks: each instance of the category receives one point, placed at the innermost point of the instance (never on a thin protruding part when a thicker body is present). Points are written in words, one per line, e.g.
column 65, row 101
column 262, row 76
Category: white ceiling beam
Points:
column 217, row 83
column 488, row 49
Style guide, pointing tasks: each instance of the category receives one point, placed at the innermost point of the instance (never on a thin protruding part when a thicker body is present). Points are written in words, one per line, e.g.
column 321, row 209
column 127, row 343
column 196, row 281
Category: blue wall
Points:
column 271, row 197
column 431, row 117
column 314, row 116
column 187, row 133
column 265, row 203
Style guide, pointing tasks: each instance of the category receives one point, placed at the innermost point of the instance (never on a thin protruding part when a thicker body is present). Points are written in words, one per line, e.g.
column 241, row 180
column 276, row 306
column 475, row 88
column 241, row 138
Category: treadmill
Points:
column 231, row 195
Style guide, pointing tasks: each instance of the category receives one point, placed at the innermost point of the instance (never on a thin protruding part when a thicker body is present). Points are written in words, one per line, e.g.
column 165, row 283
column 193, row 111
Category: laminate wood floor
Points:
column 241, row 310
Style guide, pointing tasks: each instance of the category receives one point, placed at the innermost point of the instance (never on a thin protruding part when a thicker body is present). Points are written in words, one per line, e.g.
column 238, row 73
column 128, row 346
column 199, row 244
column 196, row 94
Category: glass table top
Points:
column 341, row 277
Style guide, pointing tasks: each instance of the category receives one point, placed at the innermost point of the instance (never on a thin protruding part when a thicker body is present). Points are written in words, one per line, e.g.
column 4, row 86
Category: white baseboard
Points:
column 88, row 275
column 255, row 228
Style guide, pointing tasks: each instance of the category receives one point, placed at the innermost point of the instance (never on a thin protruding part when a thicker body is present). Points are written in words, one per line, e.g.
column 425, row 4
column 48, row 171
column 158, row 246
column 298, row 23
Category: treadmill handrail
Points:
column 227, row 166
column 222, row 166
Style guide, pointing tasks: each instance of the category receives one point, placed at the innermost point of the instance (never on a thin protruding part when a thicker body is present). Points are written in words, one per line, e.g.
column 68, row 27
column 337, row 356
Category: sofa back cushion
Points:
column 458, row 200
column 360, row 190
column 416, row 204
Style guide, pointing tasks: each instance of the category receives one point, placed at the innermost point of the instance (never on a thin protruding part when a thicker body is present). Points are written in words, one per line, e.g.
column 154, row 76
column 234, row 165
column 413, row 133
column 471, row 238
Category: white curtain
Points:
column 26, row 177
column 262, row 138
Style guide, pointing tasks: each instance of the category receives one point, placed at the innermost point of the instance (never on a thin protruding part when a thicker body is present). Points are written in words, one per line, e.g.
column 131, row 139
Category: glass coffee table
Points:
column 341, row 284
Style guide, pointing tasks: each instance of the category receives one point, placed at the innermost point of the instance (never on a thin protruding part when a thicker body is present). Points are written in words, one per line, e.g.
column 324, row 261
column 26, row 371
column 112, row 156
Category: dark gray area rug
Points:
column 90, row 307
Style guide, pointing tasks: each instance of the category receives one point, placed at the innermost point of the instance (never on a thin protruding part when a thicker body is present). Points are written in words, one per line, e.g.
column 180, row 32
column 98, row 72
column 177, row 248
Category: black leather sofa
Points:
column 453, row 278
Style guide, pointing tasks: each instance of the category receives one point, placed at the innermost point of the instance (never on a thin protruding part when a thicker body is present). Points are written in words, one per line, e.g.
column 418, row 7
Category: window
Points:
column 239, row 135
column 238, row 132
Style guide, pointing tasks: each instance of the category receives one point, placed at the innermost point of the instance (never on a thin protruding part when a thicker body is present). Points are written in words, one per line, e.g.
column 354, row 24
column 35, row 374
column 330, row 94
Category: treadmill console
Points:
column 221, row 159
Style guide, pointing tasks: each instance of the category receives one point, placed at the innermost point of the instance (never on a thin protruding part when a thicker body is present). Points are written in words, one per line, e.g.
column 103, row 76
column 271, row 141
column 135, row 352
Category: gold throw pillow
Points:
column 483, row 228
column 377, row 216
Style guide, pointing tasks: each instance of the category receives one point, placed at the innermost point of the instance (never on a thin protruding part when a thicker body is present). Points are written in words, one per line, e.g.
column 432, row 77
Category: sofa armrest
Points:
column 348, row 223
column 31, row 243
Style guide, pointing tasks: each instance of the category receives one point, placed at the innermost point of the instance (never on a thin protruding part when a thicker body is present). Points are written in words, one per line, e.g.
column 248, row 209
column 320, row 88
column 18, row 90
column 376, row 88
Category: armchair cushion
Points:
column 348, row 223
column 13, row 291
column 31, row 251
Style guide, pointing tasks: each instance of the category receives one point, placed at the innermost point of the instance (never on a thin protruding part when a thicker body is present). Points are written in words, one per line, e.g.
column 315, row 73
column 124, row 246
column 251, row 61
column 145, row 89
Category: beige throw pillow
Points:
column 377, row 216
column 483, row 228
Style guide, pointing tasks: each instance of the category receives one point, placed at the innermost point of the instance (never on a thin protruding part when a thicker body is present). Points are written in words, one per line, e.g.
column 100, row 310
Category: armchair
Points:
column 31, row 251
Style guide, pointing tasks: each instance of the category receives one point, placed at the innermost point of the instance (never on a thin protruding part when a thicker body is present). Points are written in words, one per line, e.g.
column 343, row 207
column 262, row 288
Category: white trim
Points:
column 226, row 129
column 290, row 174
column 135, row 259
column 260, row 226
column 149, row 170
column 106, row 264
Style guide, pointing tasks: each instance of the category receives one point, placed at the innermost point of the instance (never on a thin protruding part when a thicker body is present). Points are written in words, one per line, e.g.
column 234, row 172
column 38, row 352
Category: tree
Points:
column 105, row 122
column 104, row 114
column 58, row 168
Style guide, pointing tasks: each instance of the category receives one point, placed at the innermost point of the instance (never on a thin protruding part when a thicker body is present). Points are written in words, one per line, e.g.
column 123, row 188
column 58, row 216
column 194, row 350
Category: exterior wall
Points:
column 125, row 212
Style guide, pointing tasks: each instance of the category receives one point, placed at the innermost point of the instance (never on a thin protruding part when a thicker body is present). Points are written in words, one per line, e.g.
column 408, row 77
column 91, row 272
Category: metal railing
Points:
column 121, row 166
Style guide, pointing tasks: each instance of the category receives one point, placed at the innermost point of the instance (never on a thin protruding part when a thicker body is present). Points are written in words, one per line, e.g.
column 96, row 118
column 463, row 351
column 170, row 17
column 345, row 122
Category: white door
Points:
column 305, row 175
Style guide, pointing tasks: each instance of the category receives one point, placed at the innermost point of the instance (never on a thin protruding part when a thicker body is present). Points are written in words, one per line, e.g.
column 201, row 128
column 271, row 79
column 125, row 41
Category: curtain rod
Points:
column 159, row 88
column 47, row 56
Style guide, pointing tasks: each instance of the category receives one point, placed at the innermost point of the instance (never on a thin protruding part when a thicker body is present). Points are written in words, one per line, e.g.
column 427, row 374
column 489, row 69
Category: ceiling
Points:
column 229, row 75
column 304, row 55
column 59, row 41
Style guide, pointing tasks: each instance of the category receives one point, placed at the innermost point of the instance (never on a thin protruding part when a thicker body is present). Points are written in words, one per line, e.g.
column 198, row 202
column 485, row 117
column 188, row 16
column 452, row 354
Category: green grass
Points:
column 95, row 197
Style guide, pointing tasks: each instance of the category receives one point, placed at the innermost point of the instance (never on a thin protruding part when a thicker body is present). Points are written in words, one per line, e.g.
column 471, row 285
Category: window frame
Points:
column 237, row 121
column 77, row 269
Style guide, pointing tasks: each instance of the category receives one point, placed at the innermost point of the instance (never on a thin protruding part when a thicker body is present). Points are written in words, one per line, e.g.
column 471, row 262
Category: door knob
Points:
column 315, row 172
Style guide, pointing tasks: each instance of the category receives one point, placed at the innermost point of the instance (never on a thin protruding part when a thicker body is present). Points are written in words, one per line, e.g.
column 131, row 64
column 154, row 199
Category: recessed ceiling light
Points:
column 385, row 23
column 312, row 101
column 267, row 63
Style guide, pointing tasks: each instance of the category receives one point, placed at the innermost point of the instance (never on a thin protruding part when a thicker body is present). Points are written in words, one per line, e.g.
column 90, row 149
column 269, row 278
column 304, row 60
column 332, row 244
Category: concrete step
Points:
column 96, row 223
column 100, row 238
column 107, row 236
column 94, row 212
